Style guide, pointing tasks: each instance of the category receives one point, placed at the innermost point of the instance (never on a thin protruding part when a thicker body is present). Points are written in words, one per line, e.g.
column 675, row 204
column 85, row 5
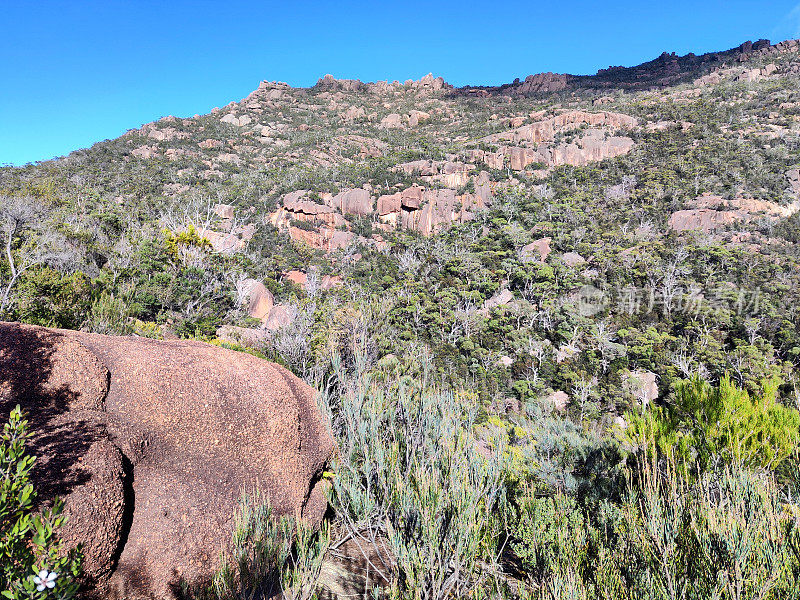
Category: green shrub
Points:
column 270, row 555
column 726, row 536
column 410, row 473
column 31, row 556
column 708, row 426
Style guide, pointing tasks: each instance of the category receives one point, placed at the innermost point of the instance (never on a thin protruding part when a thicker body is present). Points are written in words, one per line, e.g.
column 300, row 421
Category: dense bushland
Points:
column 441, row 505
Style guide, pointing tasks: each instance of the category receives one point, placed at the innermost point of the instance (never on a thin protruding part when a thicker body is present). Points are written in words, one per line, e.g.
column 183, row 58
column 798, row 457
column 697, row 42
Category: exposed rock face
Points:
column 150, row 443
column 233, row 238
column 573, row 259
column 354, row 113
column 259, row 298
column 643, row 385
column 326, row 282
column 713, row 212
column 545, row 131
column 542, row 83
column 280, row 316
column 430, row 211
column 794, row 180
column 538, row 250
column 209, row 144
column 352, row 202
column 415, row 117
column 324, row 238
column 392, row 121
column 145, row 152
column 231, row 242
column 501, row 298
column 427, row 211
column 534, row 143
column 297, row 207
column 232, row 119
column 224, row 211
column 702, row 219
column 558, row 400
column 426, row 84
column 329, row 82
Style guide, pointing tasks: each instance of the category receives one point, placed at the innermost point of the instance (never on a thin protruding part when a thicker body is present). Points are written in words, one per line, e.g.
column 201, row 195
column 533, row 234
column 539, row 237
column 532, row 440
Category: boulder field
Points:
column 151, row 444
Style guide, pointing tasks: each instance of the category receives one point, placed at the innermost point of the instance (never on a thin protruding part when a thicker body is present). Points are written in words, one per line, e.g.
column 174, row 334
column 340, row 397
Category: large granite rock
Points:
column 151, row 443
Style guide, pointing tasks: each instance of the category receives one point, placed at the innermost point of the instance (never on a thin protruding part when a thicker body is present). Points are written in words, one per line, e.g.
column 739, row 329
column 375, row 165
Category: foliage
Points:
column 724, row 536
column 28, row 539
column 708, row 425
column 410, row 473
column 270, row 555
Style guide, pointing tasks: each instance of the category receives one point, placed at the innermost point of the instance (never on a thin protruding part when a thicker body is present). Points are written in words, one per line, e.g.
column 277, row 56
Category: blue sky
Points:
column 76, row 72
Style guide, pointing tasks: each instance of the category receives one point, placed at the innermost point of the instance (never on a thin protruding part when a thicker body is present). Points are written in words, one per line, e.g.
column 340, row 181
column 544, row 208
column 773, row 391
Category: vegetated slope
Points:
column 589, row 242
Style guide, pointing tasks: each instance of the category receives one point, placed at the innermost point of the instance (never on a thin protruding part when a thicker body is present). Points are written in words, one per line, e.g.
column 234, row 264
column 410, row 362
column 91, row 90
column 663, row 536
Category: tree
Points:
column 26, row 242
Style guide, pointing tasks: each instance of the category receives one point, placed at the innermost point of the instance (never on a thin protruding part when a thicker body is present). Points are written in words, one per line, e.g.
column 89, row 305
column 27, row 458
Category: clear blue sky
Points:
column 76, row 72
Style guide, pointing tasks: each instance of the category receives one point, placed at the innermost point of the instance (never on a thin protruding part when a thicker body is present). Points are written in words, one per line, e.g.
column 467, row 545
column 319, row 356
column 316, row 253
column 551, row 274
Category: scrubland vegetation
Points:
column 458, row 475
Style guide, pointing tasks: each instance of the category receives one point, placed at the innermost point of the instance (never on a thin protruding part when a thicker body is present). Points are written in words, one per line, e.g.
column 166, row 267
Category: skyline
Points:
column 77, row 75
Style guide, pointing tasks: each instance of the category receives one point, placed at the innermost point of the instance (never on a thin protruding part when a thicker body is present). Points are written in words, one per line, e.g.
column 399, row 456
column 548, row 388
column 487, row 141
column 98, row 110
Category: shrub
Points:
column 270, row 555
column 712, row 425
column 31, row 556
column 725, row 536
column 411, row 473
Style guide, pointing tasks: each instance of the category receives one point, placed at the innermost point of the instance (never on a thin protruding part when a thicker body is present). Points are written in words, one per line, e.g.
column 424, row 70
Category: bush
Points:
column 411, row 475
column 725, row 536
column 270, row 555
column 709, row 426
column 33, row 564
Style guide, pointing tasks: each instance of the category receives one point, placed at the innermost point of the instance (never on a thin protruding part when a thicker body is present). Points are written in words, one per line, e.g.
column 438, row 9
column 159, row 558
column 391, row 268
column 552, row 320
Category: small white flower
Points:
column 45, row 580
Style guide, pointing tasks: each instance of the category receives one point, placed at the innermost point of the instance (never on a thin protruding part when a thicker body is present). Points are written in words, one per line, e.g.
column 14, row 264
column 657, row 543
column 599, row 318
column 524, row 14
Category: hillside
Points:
column 557, row 253
column 468, row 222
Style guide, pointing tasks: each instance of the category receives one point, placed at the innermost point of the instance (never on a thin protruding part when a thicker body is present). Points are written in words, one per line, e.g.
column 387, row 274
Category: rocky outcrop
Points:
column 415, row 117
column 449, row 173
column 354, row 113
column 330, row 83
column 297, row 207
column 430, row 211
column 536, row 142
column 258, row 298
column 536, row 251
column 230, row 242
column 794, row 180
column 352, row 202
column 301, row 279
column 642, row 385
column 232, row 119
column 702, row 219
column 392, row 121
column 546, row 130
column 712, row 212
column 151, row 443
column 501, row 298
column 541, row 83
column 558, row 400
column 573, row 259
column 426, row 84
column 228, row 236
column 324, row 238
